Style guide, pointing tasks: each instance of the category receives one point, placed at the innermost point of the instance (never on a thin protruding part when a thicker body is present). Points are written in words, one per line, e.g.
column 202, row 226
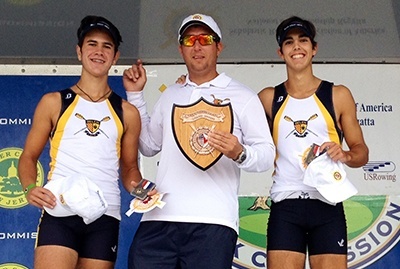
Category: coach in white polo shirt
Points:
column 206, row 130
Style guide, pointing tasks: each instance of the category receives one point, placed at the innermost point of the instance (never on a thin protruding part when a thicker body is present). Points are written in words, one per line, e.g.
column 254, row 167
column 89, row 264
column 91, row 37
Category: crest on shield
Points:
column 191, row 125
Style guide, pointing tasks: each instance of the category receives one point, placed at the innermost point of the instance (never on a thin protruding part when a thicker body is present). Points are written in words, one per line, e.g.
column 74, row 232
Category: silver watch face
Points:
column 242, row 156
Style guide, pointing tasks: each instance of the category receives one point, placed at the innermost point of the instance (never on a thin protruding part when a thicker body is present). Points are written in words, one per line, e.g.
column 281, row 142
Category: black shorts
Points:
column 97, row 240
column 307, row 224
column 160, row 245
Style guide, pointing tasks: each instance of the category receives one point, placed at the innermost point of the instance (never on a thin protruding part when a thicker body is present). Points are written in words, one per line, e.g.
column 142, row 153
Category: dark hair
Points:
column 295, row 22
column 91, row 22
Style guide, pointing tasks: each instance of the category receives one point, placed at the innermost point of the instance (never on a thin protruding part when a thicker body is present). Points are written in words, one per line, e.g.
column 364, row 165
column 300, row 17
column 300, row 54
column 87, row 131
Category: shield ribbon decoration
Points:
column 191, row 125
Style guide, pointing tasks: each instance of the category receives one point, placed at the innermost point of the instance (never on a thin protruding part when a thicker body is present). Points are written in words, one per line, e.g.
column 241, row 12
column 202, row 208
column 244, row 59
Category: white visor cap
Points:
column 77, row 195
column 329, row 178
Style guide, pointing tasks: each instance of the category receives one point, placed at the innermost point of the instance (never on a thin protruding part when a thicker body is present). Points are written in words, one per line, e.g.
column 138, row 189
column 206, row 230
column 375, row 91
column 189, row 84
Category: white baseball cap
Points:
column 329, row 178
column 77, row 195
column 199, row 19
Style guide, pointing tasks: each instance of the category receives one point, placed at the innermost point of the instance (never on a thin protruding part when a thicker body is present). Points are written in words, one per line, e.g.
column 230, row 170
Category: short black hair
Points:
column 295, row 22
column 92, row 22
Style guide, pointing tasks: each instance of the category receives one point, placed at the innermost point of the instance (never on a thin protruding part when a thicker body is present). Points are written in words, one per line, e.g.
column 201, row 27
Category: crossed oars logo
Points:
column 93, row 126
column 300, row 126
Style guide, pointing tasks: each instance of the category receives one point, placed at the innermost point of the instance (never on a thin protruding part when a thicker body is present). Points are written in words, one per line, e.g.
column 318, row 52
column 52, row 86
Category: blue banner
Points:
column 373, row 241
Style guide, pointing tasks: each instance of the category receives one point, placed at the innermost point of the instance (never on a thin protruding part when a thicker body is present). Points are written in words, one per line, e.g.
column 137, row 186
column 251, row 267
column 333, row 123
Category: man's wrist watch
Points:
column 241, row 157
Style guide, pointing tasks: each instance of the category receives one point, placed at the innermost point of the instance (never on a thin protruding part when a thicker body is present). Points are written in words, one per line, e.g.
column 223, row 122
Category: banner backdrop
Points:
column 372, row 216
column 19, row 96
column 347, row 31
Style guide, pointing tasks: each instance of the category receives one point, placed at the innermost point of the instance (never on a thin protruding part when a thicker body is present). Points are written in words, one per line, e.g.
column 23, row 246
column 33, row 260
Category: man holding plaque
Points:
column 206, row 130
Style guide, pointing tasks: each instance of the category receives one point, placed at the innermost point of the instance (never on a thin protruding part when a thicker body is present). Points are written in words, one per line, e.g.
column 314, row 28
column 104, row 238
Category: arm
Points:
column 266, row 96
column 134, row 80
column 256, row 138
column 130, row 174
column 346, row 115
column 44, row 119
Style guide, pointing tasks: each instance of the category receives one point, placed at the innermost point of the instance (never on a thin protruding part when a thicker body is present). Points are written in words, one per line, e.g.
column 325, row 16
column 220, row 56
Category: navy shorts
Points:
column 97, row 240
column 307, row 224
column 177, row 245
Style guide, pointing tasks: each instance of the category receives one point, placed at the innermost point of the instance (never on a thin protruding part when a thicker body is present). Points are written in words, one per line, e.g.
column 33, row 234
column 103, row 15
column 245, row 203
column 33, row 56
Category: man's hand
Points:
column 225, row 142
column 134, row 78
column 181, row 79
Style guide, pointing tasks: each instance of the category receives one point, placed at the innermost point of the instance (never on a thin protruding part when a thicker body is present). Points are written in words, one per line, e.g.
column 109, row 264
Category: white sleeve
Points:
column 150, row 139
column 257, row 139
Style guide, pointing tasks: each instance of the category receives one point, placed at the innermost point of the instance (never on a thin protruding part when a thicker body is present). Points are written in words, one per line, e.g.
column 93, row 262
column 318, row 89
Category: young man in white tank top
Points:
column 301, row 220
column 93, row 133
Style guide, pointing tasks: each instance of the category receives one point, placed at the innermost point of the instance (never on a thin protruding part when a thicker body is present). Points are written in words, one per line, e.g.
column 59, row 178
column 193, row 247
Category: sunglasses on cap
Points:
column 204, row 40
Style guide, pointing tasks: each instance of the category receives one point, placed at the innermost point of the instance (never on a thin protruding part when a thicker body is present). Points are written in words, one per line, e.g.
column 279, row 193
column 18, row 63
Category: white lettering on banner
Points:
column 17, row 121
column 352, row 21
column 378, row 236
column 38, row 23
column 324, row 21
column 17, row 236
column 374, row 31
column 246, row 254
column 377, row 241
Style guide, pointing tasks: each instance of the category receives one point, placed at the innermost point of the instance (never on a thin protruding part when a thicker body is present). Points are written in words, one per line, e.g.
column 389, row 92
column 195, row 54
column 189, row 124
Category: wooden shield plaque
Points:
column 191, row 124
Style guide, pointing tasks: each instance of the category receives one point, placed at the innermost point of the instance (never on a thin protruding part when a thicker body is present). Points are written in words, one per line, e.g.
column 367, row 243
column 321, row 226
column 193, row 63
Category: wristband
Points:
column 29, row 187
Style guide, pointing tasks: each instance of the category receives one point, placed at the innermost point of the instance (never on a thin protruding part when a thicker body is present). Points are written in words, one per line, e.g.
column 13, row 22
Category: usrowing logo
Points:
column 372, row 225
column 11, row 193
column 380, row 171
